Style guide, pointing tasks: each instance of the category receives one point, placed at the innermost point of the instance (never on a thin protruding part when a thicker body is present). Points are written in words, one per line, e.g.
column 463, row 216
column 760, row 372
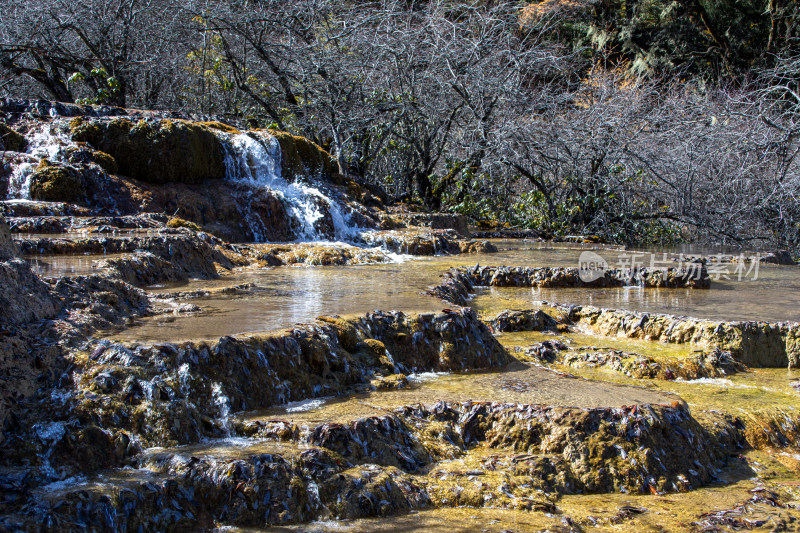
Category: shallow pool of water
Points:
column 774, row 296
column 519, row 383
column 285, row 296
column 67, row 265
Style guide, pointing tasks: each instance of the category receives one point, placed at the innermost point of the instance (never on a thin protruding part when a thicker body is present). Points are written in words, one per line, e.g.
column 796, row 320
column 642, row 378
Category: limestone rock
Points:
column 54, row 182
column 159, row 151
column 10, row 140
column 7, row 247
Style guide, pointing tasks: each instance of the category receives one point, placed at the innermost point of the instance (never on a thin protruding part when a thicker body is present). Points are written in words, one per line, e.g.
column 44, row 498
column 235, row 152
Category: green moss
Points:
column 373, row 353
column 181, row 223
column 11, row 140
column 390, row 382
column 56, row 183
column 301, row 158
column 346, row 331
column 219, row 126
column 106, row 161
column 156, row 152
column 85, row 155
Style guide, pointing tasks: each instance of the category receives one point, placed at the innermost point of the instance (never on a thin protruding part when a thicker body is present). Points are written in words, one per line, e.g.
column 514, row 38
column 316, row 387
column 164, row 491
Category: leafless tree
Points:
column 105, row 51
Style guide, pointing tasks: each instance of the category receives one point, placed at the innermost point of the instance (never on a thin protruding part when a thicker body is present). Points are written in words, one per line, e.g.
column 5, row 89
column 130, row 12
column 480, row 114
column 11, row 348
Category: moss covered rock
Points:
column 160, row 151
column 301, row 157
column 85, row 155
column 52, row 182
column 220, row 126
column 11, row 140
column 176, row 222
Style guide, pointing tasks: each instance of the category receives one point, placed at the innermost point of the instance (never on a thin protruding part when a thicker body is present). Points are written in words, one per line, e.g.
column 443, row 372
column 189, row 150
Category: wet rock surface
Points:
column 310, row 254
column 23, row 296
column 426, row 242
column 122, row 398
column 780, row 257
column 209, row 173
column 756, row 344
column 457, row 223
column 476, row 454
column 533, row 320
column 54, row 182
column 7, row 247
column 458, row 283
column 178, row 151
column 11, row 140
column 713, row 364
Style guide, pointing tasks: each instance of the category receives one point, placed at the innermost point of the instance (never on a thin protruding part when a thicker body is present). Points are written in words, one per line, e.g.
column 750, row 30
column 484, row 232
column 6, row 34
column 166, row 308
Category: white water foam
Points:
column 422, row 377
column 306, row 405
column 223, row 404
column 719, row 382
column 254, row 158
column 46, row 141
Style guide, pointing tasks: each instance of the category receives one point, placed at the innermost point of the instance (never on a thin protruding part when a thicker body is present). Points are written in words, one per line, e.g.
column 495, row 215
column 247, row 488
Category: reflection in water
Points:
column 288, row 295
column 66, row 265
column 774, row 296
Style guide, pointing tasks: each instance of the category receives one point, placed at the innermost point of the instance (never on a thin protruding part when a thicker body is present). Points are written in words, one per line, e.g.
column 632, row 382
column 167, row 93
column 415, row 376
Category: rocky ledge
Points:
column 755, row 344
column 459, row 283
column 445, row 455
column 173, row 394
column 713, row 364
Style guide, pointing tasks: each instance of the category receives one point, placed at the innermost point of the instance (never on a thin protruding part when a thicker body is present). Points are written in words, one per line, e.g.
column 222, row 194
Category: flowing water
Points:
column 252, row 159
column 275, row 298
column 46, row 141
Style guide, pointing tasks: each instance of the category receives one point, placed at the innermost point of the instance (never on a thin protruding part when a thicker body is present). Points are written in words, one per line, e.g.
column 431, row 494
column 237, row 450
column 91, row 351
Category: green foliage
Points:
column 602, row 213
column 105, row 88
column 710, row 39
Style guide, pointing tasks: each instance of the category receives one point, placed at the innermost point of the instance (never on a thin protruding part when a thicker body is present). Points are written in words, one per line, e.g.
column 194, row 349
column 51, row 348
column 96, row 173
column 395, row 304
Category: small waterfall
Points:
column 254, row 158
column 184, row 377
column 49, row 433
column 223, row 404
column 47, row 141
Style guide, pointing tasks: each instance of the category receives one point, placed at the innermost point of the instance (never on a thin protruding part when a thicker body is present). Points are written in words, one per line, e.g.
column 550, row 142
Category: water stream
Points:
column 252, row 160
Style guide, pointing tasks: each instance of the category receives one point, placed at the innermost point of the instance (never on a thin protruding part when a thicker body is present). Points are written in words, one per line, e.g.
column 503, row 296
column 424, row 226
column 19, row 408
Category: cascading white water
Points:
column 254, row 158
column 47, row 141
column 223, row 404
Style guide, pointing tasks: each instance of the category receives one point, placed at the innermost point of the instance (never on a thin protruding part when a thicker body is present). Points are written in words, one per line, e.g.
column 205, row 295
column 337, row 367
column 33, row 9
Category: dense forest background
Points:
column 642, row 121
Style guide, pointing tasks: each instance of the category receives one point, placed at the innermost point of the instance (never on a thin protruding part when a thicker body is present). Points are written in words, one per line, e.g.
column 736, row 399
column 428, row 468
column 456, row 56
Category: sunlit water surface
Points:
column 284, row 296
